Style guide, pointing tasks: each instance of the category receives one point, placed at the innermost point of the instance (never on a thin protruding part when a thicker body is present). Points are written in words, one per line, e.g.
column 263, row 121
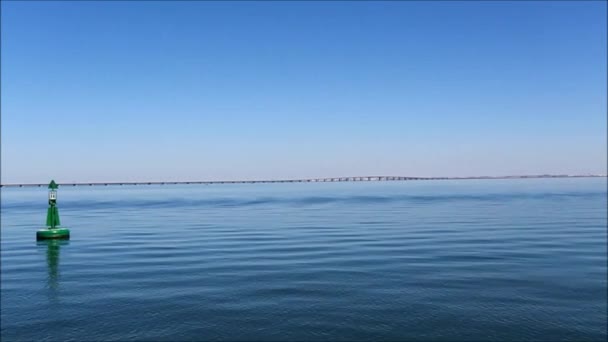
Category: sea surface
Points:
column 483, row 260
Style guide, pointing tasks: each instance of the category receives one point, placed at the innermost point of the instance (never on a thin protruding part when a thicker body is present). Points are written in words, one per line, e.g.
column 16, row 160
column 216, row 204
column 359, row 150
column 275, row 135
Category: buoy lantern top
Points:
column 53, row 185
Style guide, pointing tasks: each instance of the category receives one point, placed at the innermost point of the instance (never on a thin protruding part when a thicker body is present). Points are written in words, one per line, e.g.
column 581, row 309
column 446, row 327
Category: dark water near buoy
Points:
column 505, row 260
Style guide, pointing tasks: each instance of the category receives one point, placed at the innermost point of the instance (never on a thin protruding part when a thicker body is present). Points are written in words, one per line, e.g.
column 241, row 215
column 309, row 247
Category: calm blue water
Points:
column 443, row 260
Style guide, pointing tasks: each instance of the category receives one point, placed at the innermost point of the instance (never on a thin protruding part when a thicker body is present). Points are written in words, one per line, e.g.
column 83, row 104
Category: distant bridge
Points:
column 308, row 180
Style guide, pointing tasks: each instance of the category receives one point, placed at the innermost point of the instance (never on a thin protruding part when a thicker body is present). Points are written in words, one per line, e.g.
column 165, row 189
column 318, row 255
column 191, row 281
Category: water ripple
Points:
column 363, row 263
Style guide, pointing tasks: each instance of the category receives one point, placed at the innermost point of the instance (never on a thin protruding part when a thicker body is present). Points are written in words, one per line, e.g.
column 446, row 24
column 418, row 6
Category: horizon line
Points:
column 307, row 180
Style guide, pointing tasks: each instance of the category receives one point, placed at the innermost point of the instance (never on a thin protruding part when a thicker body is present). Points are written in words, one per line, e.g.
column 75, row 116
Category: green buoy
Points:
column 53, row 231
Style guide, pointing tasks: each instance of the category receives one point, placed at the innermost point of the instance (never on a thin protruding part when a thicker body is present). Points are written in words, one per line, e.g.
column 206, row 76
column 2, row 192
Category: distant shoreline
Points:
column 306, row 180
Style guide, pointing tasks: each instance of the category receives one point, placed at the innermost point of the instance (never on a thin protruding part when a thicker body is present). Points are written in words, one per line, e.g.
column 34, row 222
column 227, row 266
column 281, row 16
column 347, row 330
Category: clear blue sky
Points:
column 96, row 91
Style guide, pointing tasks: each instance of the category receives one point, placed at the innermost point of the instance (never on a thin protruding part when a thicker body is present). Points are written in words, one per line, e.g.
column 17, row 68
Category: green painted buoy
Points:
column 53, row 233
column 53, row 230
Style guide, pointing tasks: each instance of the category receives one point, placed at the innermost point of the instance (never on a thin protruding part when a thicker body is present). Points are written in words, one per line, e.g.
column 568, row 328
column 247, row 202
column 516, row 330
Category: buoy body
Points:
column 53, row 231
